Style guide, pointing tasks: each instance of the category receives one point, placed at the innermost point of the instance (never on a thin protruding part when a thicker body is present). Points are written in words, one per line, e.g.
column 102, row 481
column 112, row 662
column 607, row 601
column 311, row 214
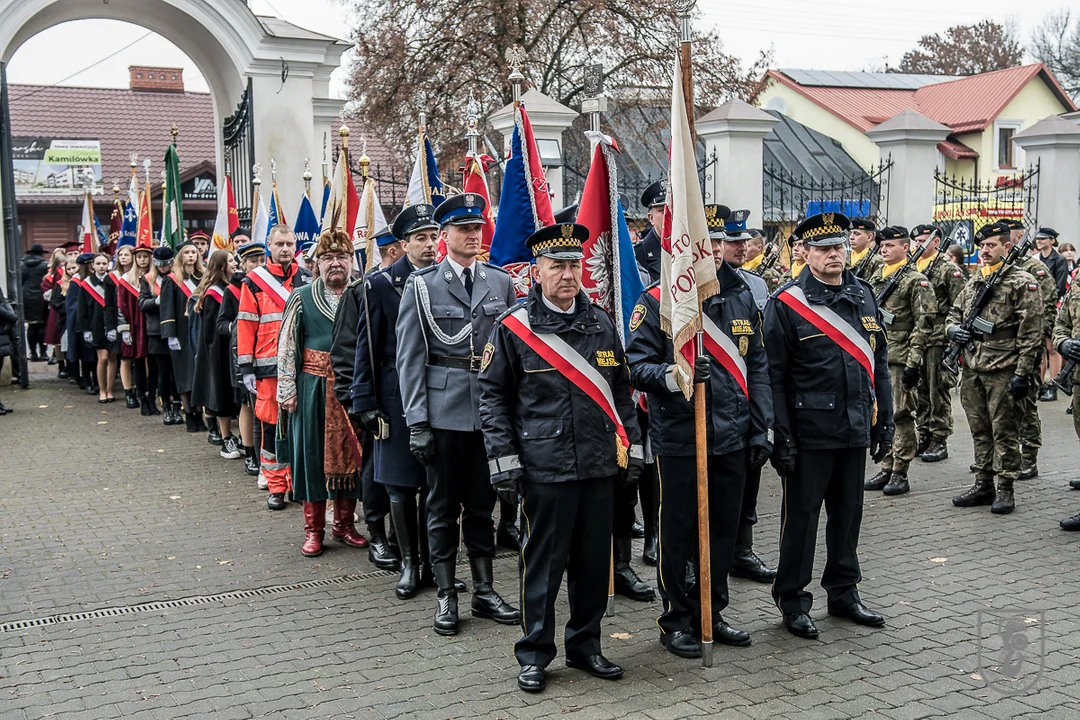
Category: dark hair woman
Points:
column 187, row 272
column 54, row 308
column 123, row 261
column 80, row 356
column 157, row 348
column 212, row 386
column 131, row 322
column 97, row 323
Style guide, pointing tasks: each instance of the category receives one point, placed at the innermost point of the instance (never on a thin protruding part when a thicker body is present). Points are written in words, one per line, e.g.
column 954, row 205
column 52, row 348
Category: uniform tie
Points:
column 466, row 279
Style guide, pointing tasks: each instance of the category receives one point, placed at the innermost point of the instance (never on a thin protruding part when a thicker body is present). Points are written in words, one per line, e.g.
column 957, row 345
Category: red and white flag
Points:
column 687, row 272
column 89, row 238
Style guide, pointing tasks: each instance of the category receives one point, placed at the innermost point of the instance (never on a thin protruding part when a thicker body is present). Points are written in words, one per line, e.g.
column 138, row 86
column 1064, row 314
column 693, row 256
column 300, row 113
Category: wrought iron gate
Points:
column 239, row 138
column 12, row 234
column 965, row 205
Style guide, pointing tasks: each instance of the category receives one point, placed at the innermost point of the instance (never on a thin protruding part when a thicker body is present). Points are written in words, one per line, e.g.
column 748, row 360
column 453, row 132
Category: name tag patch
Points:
column 870, row 323
column 606, row 358
column 739, row 326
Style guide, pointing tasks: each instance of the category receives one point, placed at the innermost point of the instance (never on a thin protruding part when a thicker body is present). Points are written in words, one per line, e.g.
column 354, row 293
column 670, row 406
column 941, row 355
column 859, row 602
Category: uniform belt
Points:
column 315, row 362
column 1006, row 334
column 901, row 327
column 471, row 363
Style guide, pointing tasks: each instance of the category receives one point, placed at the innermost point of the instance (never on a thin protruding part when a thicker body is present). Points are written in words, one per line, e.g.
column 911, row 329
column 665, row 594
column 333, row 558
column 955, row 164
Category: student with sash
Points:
column 560, row 431
column 251, row 255
column 98, row 324
column 262, row 301
column 80, row 356
column 157, row 347
column 176, row 289
column 131, row 324
column 122, row 263
column 212, row 388
column 832, row 397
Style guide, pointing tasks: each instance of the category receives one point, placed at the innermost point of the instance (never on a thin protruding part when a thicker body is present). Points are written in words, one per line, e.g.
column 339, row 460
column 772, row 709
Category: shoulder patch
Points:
column 1040, row 273
column 957, row 273
column 489, row 350
column 1033, row 286
column 923, row 283
column 638, row 316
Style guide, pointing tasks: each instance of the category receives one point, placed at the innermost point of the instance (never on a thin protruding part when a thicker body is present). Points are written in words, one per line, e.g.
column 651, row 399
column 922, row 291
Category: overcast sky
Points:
column 820, row 35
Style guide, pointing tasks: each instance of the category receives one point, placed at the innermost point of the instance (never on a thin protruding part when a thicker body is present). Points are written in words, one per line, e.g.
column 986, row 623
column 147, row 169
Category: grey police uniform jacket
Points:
column 448, row 398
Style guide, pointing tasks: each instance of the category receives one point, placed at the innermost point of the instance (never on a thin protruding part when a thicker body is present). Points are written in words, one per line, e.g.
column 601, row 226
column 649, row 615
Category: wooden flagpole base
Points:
column 610, row 612
column 706, row 654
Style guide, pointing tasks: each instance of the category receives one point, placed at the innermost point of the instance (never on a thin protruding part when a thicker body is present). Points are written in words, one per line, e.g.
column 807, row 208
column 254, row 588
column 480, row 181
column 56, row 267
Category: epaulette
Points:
column 495, row 267
column 783, row 287
column 512, row 308
column 424, row 271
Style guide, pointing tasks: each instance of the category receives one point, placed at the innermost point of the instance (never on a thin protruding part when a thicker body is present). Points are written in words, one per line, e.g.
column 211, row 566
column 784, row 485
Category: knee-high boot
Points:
column 314, row 527
column 403, row 515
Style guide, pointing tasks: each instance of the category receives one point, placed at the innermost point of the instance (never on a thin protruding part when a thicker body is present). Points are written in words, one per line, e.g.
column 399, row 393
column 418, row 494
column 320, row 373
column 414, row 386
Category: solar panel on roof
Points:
column 864, row 80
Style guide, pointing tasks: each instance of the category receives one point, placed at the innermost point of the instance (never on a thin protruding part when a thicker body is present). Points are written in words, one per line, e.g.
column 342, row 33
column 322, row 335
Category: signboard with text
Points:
column 55, row 166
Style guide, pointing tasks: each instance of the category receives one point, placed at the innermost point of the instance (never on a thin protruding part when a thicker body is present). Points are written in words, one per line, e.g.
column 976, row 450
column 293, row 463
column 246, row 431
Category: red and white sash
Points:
column 121, row 281
column 154, row 283
column 726, row 352
column 833, row 326
column 78, row 281
column 187, row 287
column 216, row 292
column 235, row 291
column 270, row 285
column 96, row 291
column 570, row 364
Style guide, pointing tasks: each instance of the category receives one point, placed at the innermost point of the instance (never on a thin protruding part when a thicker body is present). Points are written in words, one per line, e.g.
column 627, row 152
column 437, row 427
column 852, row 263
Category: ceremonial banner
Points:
column 172, row 225
column 342, row 204
column 307, row 225
column 609, row 274
column 277, row 214
column 370, row 222
column 227, row 218
column 145, row 228
column 687, row 272
column 86, row 227
column 425, row 185
column 116, row 223
column 260, row 229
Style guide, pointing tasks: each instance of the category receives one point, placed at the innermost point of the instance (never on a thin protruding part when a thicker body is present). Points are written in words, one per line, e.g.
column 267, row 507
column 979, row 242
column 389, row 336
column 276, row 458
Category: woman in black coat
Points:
column 97, row 322
column 33, row 269
column 212, row 388
column 159, row 359
column 181, row 283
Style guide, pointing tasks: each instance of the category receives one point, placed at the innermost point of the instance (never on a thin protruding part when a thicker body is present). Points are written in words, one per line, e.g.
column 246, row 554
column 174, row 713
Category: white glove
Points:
column 88, row 337
column 157, row 300
column 126, row 337
column 249, row 383
column 111, row 336
column 174, row 343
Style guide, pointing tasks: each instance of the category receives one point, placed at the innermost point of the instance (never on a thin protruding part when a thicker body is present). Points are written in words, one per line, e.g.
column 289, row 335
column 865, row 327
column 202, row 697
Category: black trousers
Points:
column 166, row 386
column 624, row 501
column 376, row 499
column 679, row 533
column 459, row 485
column 834, row 477
column 748, row 512
column 567, row 529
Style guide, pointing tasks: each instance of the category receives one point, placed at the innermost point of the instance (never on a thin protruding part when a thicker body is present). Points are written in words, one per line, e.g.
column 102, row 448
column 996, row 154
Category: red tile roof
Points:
column 124, row 121
column 967, row 104
column 957, row 150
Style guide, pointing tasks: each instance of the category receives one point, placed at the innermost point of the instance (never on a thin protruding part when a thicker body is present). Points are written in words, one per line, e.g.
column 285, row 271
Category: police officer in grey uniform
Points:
column 445, row 316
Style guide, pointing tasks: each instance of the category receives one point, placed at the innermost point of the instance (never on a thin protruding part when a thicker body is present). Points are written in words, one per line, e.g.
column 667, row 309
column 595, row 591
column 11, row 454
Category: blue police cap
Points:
column 385, row 238
column 463, row 209
column 251, row 249
column 414, row 219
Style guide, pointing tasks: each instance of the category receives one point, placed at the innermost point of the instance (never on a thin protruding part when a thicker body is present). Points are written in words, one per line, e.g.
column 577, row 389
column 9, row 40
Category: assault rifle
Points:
column 769, row 260
column 1063, row 379
column 893, row 281
column 972, row 322
column 860, row 269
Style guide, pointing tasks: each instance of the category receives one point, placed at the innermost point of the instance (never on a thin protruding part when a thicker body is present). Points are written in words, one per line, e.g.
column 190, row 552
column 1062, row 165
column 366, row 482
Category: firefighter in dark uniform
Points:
column 739, row 430
column 647, row 250
column 832, row 396
column 553, row 422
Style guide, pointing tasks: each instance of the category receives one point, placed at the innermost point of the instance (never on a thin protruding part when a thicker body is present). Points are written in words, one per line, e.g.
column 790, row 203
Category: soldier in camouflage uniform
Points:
column 907, row 314
column 755, row 253
column 1067, row 342
column 798, row 260
column 864, row 261
column 998, row 369
column 934, row 415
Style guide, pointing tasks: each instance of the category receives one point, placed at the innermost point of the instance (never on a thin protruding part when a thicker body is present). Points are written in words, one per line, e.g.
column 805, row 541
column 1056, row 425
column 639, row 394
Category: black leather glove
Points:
column 910, row 378
column 370, row 420
column 879, row 449
column 758, row 457
column 507, row 485
column 702, row 369
column 422, row 443
column 783, row 461
column 959, row 335
column 1019, row 386
column 1070, row 349
column 632, row 472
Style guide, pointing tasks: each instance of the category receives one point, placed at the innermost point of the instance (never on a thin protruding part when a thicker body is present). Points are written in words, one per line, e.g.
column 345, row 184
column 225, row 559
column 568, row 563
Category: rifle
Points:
column 971, row 321
column 769, row 260
column 864, row 264
column 893, row 281
column 1063, row 380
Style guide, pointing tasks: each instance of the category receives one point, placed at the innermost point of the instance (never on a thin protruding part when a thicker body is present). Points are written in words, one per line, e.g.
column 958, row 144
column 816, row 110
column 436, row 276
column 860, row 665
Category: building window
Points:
column 1007, row 155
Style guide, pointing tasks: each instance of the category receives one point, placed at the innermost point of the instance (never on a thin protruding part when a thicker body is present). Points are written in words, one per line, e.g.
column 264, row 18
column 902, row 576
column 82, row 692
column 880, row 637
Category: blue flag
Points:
column 307, row 225
column 322, row 208
column 515, row 221
column 129, row 228
column 438, row 194
column 102, row 236
column 273, row 210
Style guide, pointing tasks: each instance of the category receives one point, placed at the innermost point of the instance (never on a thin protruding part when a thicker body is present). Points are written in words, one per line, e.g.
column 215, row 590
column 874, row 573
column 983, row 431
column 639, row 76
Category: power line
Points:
column 88, row 67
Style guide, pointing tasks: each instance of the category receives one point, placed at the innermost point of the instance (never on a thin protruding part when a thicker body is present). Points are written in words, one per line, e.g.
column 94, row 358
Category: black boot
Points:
column 924, row 442
column 650, row 550
column 878, row 481
column 936, row 452
column 744, row 563
column 145, row 408
column 251, row 461
column 63, row 373
column 1048, row 393
column 130, row 400
column 898, row 484
column 378, row 549
column 1029, row 464
column 427, row 575
column 446, row 612
column 1003, row 498
column 213, row 436
column 177, row 412
column 627, row 582
column 981, row 493
column 189, row 418
column 403, row 515
column 152, row 399
column 486, row 603
column 200, row 425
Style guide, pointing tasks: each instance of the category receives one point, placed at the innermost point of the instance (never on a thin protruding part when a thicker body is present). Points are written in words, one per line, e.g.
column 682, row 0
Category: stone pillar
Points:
column 911, row 139
column 734, row 133
column 1054, row 143
column 549, row 120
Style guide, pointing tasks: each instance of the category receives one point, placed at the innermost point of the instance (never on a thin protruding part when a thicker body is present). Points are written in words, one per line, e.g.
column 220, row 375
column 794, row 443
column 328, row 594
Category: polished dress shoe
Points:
column 727, row 635
column 532, row 678
column 801, row 625
column 380, row 555
column 746, row 564
column 596, row 665
column 276, row 501
column 1075, row 483
column 858, row 614
column 637, row 531
column 878, row 481
column 627, row 582
column 898, row 485
column 681, row 643
column 1071, row 523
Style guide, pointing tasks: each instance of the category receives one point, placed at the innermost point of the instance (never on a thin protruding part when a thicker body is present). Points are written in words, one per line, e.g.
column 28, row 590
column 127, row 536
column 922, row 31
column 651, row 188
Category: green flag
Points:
column 172, row 224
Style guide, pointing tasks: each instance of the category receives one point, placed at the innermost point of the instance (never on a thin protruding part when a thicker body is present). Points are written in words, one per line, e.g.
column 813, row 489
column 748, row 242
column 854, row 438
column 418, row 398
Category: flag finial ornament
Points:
column 343, row 131
column 256, row 171
column 116, row 188
column 273, row 170
column 146, row 169
column 307, row 170
column 134, row 160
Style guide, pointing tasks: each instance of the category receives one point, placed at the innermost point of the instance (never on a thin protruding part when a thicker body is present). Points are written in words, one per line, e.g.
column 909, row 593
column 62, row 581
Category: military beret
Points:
column 414, row 218
column 861, row 223
column 924, row 229
column 655, row 195
column 824, row 229
column 892, row 233
column 463, row 209
column 994, row 229
column 561, row 241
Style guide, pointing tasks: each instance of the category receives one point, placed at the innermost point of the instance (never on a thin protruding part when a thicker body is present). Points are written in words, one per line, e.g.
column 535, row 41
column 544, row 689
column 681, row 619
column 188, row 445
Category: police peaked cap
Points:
column 655, row 195
column 414, row 218
column 1047, row 232
column 824, row 229
column 561, row 241
column 715, row 216
column 463, row 209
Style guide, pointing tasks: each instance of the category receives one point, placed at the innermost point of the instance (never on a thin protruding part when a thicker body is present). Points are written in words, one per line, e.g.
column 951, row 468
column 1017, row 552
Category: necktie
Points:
column 466, row 279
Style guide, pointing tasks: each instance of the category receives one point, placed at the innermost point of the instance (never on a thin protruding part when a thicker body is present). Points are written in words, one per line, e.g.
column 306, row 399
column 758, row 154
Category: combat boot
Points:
column 1003, row 499
column 1048, row 393
column 1029, row 468
column 627, row 582
column 486, row 603
column 936, row 452
column 745, row 563
column 446, row 611
column 879, row 481
column 898, row 483
column 981, row 493
column 130, row 400
column 925, row 440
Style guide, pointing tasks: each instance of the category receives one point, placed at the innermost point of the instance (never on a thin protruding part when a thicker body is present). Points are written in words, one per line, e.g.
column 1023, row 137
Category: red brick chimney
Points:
column 156, row 79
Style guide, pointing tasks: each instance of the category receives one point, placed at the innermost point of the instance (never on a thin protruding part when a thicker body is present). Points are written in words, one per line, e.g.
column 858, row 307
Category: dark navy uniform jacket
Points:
column 647, row 252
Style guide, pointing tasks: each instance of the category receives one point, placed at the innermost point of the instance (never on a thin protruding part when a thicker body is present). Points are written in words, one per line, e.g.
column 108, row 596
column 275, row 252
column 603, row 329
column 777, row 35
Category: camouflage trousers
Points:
column 1030, row 424
column 934, row 415
column 994, row 419
column 1076, row 412
column 904, row 441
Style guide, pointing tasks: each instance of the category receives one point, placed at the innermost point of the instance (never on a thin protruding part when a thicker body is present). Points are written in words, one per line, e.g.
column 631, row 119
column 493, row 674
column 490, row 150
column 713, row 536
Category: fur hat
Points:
column 333, row 241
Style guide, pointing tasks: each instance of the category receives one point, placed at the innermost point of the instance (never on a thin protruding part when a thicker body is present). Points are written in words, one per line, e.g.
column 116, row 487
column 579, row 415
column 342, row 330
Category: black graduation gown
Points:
column 92, row 314
column 212, row 388
column 174, row 324
column 226, row 328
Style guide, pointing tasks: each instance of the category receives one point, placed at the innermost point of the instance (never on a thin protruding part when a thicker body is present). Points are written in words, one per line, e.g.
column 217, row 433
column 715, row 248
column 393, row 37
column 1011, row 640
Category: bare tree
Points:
column 965, row 50
column 1056, row 42
column 432, row 55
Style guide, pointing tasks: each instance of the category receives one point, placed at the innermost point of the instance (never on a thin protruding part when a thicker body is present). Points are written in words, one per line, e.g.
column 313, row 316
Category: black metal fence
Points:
column 239, row 139
column 964, row 205
column 789, row 199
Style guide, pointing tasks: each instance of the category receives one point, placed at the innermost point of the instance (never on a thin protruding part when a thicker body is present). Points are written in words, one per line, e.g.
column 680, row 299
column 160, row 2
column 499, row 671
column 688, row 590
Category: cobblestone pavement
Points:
column 106, row 509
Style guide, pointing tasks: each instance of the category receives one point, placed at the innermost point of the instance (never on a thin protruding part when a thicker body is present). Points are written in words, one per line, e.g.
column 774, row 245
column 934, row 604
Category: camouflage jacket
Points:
column 786, row 276
column 873, row 265
column 1015, row 308
column 912, row 308
column 946, row 281
column 1047, row 290
column 1067, row 324
column 773, row 279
